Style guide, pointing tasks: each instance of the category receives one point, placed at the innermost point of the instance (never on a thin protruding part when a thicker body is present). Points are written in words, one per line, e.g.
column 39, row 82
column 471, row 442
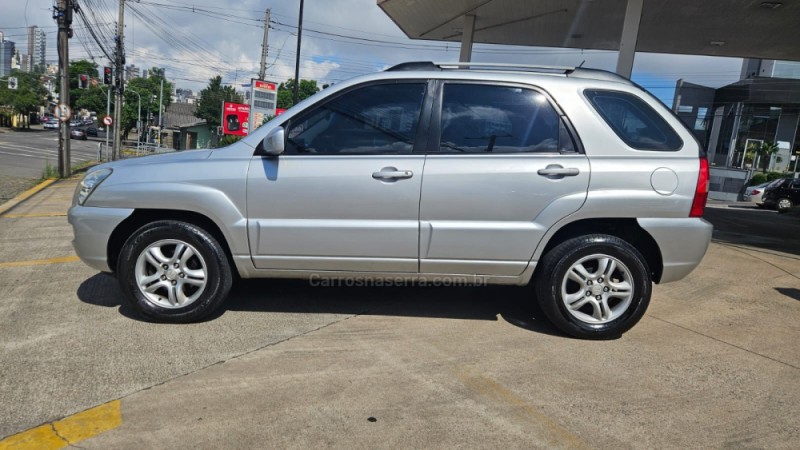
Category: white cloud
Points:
column 195, row 47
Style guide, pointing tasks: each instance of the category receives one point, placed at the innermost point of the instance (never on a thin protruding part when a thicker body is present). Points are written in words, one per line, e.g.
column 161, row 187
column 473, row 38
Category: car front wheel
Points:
column 172, row 271
column 594, row 287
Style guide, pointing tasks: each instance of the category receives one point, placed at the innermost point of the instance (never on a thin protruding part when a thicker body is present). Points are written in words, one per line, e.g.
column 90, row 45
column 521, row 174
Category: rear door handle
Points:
column 392, row 174
column 558, row 171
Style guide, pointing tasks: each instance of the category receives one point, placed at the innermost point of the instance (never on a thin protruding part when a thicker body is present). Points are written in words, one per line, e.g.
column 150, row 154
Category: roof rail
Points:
column 575, row 72
column 428, row 65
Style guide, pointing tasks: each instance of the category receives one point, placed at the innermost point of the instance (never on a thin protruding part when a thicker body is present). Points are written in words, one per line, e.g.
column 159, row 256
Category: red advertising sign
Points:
column 265, row 85
column 235, row 118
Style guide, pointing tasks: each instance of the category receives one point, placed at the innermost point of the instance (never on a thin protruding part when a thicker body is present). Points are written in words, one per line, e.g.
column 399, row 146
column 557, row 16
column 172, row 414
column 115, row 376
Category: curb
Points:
column 7, row 206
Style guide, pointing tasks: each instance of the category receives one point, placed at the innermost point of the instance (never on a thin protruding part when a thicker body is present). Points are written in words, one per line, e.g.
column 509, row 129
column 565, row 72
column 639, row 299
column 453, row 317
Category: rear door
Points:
column 502, row 167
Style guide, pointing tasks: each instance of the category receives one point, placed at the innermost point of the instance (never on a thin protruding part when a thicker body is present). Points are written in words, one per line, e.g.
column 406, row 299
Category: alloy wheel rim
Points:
column 171, row 273
column 597, row 289
column 784, row 204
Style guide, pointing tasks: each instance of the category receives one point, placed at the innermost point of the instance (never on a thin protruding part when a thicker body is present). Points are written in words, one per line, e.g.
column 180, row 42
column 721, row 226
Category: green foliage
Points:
column 29, row 95
column 76, row 68
column 93, row 99
column 49, row 171
column 149, row 90
column 209, row 106
column 758, row 178
column 761, row 178
column 227, row 140
column 306, row 89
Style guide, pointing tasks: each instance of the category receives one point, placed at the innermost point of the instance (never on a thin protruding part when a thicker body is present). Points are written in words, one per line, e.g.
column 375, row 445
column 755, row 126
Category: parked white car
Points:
column 753, row 194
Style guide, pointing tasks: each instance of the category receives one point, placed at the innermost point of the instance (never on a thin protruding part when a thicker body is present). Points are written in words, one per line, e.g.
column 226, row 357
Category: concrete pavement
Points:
column 712, row 364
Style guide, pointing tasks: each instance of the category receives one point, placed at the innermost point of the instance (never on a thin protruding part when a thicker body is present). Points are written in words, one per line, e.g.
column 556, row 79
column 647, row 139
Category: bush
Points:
column 227, row 140
column 774, row 176
column 761, row 178
column 757, row 179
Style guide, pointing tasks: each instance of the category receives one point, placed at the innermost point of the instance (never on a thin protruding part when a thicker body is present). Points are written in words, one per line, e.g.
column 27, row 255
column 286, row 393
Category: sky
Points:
column 198, row 39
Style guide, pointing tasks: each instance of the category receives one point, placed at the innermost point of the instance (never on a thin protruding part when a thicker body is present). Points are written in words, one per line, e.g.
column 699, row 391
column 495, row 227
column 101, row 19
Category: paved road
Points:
column 26, row 153
column 743, row 225
column 714, row 362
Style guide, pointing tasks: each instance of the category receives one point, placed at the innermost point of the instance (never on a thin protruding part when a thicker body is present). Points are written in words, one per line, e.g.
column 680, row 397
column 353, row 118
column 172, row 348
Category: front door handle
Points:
column 392, row 174
column 558, row 171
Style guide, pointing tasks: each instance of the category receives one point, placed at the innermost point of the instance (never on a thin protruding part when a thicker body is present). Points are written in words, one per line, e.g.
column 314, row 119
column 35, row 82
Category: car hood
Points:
column 163, row 158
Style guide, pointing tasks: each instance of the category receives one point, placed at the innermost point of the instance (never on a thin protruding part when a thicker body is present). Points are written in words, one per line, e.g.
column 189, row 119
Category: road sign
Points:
column 108, row 120
column 63, row 112
column 12, row 83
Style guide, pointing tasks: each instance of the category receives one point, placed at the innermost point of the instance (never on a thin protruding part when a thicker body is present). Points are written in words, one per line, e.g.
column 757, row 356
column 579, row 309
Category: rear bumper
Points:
column 683, row 243
column 92, row 228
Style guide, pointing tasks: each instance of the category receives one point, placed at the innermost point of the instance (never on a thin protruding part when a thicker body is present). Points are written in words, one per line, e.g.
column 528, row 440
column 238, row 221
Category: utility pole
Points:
column 297, row 61
column 263, row 71
column 64, row 17
column 108, row 114
column 119, row 63
column 160, row 103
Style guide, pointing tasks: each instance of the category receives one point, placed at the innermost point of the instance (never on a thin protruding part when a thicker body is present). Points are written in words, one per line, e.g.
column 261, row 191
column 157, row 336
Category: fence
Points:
column 131, row 149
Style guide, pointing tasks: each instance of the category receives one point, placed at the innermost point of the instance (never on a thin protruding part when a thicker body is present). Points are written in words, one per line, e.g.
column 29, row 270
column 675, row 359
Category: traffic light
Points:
column 83, row 81
column 12, row 83
column 107, row 75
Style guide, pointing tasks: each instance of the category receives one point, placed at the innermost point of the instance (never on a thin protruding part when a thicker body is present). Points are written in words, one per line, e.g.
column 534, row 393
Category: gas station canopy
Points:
column 736, row 28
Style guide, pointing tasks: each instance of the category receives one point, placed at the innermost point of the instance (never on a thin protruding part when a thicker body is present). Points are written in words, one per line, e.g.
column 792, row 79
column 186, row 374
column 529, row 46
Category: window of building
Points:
column 377, row 119
column 634, row 121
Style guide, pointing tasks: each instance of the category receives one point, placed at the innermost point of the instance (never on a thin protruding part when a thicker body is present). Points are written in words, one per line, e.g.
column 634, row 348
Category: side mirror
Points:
column 273, row 144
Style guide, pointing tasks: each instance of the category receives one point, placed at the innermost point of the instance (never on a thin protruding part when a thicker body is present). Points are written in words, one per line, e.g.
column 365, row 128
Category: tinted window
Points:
column 499, row 119
column 378, row 119
column 634, row 121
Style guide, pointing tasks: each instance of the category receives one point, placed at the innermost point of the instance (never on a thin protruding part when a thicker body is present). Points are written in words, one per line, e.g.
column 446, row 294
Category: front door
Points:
column 345, row 194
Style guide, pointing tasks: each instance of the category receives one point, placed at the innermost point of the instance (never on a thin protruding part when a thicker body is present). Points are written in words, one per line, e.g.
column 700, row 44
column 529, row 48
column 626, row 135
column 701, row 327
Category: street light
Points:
column 138, row 121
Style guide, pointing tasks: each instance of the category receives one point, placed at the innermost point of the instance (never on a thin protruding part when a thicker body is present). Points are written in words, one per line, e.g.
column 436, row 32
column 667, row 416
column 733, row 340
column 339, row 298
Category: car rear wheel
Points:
column 784, row 204
column 594, row 287
column 173, row 271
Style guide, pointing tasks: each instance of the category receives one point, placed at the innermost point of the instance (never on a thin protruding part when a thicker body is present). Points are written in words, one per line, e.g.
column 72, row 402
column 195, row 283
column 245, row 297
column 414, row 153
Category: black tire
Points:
column 783, row 205
column 218, row 277
column 553, row 269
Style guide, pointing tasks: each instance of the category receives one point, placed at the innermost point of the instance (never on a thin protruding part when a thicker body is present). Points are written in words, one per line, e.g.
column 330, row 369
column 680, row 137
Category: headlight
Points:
column 90, row 182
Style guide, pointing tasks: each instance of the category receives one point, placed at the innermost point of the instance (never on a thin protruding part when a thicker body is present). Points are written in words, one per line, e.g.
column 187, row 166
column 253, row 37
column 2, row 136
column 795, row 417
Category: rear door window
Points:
column 479, row 118
column 634, row 121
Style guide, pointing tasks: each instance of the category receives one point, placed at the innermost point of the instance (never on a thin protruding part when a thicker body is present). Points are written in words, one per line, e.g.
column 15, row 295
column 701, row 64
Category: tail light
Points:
column 755, row 192
column 701, row 192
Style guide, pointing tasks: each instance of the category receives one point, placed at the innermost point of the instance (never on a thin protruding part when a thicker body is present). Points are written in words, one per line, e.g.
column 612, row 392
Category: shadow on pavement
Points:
column 762, row 229
column 516, row 305
column 789, row 292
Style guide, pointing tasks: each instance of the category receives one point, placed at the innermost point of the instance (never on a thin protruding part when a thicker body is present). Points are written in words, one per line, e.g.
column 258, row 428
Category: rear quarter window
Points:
column 634, row 121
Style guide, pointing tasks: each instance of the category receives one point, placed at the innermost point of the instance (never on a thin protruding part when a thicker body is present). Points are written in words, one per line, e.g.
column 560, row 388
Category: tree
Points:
column 149, row 90
column 76, row 68
column 768, row 149
column 306, row 89
column 209, row 107
column 29, row 95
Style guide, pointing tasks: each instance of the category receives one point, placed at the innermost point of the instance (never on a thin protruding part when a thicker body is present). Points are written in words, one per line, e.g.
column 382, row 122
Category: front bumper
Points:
column 683, row 243
column 92, row 228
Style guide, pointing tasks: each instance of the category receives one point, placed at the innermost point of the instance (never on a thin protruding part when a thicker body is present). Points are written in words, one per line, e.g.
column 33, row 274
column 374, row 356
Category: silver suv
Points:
column 575, row 180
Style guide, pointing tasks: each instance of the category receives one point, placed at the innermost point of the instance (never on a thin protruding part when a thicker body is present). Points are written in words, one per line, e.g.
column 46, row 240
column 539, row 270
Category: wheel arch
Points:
column 141, row 217
column 626, row 229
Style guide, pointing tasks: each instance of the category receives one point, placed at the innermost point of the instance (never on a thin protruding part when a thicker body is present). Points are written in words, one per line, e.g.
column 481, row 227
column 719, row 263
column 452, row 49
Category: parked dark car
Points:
column 77, row 134
column 782, row 196
column 91, row 131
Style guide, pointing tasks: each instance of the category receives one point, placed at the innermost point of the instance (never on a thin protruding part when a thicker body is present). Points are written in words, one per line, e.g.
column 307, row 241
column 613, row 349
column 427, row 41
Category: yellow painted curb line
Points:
column 39, row 262
column 67, row 431
column 25, row 195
